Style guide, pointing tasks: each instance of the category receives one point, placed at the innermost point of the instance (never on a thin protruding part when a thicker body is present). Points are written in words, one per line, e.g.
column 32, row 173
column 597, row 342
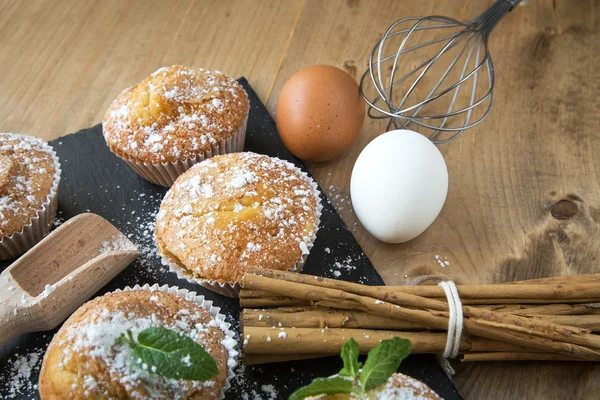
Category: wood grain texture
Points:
column 68, row 60
column 65, row 61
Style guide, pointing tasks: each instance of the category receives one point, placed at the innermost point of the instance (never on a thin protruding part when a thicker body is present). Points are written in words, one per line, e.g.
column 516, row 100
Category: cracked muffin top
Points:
column 236, row 211
column 86, row 359
column 27, row 175
column 176, row 113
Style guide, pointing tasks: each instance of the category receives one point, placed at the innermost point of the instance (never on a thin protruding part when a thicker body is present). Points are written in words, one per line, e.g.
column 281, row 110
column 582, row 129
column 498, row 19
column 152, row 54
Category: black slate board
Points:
column 94, row 180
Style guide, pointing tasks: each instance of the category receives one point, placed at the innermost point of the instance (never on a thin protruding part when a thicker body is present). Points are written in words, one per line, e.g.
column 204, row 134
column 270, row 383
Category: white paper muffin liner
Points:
column 208, row 306
column 165, row 174
column 232, row 289
column 19, row 242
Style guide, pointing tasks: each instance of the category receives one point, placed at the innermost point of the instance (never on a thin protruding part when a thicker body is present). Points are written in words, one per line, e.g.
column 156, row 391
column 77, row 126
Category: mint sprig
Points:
column 170, row 354
column 332, row 385
column 383, row 360
column 349, row 355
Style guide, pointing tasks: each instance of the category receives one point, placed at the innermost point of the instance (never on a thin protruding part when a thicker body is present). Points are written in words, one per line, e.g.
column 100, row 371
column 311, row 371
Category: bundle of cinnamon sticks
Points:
column 290, row 316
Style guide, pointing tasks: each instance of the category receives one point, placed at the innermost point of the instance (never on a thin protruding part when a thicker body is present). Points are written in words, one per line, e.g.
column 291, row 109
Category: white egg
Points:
column 398, row 186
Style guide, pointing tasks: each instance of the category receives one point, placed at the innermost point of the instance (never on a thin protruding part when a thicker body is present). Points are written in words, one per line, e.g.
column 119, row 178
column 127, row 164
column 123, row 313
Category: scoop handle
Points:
column 9, row 324
column 15, row 319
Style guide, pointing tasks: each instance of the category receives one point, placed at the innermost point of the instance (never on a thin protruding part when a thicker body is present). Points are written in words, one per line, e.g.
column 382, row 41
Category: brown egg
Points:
column 319, row 113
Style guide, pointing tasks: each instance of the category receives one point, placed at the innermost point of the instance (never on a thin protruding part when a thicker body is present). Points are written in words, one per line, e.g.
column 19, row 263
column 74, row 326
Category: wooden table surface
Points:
column 63, row 62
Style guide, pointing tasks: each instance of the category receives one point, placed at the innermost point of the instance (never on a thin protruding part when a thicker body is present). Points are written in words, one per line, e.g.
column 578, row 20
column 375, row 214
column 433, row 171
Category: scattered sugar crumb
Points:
column 22, row 370
column 443, row 262
column 339, row 198
column 47, row 290
column 270, row 391
column 116, row 243
column 344, row 266
column 251, row 390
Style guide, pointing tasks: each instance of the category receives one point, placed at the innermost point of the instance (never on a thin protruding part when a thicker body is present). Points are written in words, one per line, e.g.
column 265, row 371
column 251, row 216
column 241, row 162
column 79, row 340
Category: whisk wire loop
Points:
column 440, row 111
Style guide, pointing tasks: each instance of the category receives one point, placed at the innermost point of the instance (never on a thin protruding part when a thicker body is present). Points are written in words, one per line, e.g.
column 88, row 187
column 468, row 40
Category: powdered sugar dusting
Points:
column 346, row 264
column 245, row 210
column 48, row 289
column 269, row 391
column 174, row 114
column 116, row 243
column 139, row 229
column 20, row 371
column 97, row 337
column 250, row 390
column 402, row 387
column 26, row 178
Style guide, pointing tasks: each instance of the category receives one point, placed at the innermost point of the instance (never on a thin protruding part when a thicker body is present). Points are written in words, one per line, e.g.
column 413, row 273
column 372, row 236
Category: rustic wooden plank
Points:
column 67, row 61
column 63, row 62
column 537, row 148
column 542, row 149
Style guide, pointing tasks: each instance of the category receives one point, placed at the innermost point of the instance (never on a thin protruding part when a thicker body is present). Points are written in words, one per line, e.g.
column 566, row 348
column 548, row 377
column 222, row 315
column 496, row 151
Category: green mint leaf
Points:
column 350, row 353
column 331, row 385
column 173, row 355
column 127, row 339
column 383, row 361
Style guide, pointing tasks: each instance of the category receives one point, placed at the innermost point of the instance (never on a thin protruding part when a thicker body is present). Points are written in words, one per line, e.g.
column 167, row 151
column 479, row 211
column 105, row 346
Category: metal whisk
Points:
column 442, row 55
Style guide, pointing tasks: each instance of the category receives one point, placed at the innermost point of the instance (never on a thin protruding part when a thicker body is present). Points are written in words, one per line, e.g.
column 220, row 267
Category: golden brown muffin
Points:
column 398, row 387
column 85, row 360
column 175, row 114
column 237, row 211
column 27, row 175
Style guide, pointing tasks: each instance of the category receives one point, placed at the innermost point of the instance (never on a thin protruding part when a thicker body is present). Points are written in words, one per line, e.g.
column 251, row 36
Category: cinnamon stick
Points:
column 268, row 302
column 547, row 309
column 582, row 278
column 591, row 322
column 290, row 353
column 533, row 326
column 405, row 295
column 496, row 331
column 262, row 340
column 563, row 292
column 500, row 301
column 317, row 317
column 254, row 294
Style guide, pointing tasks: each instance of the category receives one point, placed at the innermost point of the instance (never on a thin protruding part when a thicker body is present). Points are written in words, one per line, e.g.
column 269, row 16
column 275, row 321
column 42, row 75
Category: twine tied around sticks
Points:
column 455, row 319
column 455, row 326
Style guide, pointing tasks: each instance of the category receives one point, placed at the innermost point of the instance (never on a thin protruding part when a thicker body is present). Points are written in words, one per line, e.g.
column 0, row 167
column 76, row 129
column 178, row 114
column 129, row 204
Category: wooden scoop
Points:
column 49, row 282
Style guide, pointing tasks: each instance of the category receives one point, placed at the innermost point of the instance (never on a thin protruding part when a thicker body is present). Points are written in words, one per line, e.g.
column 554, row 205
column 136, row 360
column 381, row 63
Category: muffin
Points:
column 233, row 212
column 87, row 360
column 175, row 118
column 398, row 387
column 29, row 177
